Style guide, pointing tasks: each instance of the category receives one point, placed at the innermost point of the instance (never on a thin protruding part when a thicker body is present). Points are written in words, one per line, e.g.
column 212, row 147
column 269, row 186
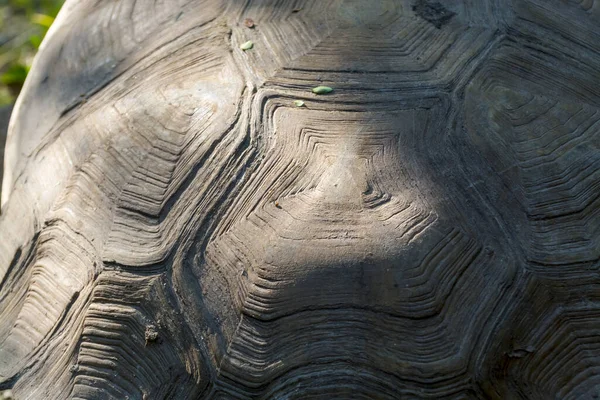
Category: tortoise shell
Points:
column 183, row 218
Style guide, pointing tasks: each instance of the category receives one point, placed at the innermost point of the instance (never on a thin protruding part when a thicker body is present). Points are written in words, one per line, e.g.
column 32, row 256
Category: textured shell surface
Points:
column 185, row 217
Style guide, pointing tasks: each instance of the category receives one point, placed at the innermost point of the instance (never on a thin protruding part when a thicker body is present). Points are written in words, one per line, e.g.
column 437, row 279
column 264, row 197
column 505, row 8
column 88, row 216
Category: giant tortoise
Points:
column 184, row 217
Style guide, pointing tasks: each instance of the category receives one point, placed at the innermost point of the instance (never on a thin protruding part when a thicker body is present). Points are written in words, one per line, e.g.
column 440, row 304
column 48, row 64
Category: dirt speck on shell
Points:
column 151, row 334
column 433, row 12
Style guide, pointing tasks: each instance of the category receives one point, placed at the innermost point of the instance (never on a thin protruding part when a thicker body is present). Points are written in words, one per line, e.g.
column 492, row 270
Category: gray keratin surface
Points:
column 175, row 226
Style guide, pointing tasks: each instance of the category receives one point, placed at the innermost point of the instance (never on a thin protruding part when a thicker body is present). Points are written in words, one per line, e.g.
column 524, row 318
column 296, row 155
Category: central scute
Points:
column 335, row 240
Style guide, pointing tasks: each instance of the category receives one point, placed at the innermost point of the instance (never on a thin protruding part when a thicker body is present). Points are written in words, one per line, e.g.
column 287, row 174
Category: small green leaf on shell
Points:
column 298, row 103
column 247, row 45
column 322, row 90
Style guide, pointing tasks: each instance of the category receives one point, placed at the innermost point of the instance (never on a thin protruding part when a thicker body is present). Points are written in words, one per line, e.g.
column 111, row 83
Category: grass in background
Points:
column 23, row 25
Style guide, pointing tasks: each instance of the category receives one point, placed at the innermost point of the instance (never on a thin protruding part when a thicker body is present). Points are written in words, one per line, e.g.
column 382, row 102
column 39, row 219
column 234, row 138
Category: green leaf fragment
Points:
column 298, row 103
column 247, row 45
column 322, row 90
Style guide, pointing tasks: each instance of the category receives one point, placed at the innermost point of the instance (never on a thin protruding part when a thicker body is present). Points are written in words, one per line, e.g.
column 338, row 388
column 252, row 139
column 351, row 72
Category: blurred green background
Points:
column 23, row 24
